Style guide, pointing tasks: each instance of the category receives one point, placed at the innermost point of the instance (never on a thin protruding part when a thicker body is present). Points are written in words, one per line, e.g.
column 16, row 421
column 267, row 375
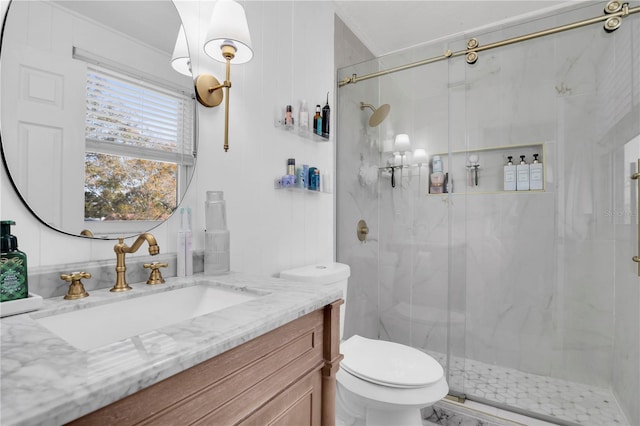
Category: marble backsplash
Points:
column 46, row 282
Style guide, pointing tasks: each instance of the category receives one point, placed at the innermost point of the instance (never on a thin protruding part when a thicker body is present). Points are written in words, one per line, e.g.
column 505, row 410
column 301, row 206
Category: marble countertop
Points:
column 46, row 381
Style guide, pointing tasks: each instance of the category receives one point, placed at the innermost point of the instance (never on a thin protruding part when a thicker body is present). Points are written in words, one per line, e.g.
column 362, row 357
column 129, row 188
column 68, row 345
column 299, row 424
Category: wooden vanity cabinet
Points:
column 285, row 377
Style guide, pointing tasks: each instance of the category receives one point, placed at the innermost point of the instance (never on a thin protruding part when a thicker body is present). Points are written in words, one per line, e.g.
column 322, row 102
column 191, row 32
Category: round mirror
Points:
column 98, row 130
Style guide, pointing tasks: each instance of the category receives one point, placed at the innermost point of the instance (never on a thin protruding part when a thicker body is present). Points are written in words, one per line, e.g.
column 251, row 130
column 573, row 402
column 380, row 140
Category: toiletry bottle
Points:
column 522, row 172
column 188, row 246
column 291, row 167
column 305, row 174
column 326, row 111
column 448, row 183
column 316, row 180
column 312, row 181
column 180, row 248
column 437, row 163
column 510, row 175
column 325, row 182
column 299, row 177
column 303, row 119
column 13, row 266
column 317, row 121
column 437, row 183
column 288, row 116
column 437, row 176
column 536, row 181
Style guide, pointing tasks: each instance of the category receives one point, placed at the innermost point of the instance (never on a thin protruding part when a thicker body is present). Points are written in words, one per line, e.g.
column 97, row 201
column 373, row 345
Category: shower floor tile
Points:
column 550, row 397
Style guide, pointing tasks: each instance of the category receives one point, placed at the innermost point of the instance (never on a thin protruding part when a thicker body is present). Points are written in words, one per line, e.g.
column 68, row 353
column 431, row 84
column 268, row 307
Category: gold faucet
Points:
column 121, row 249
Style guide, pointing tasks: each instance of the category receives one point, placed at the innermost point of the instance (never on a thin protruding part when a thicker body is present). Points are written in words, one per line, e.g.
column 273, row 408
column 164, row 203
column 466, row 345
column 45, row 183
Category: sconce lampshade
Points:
column 420, row 156
column 402, row 143
column 228, row 26
column 180, row 60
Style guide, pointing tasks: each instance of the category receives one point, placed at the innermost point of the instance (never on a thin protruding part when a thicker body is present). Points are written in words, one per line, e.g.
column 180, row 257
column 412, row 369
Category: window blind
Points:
column 126, row 116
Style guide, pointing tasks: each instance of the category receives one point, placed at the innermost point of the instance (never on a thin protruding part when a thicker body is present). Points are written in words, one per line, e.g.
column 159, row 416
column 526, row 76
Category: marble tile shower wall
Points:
column 525, row 281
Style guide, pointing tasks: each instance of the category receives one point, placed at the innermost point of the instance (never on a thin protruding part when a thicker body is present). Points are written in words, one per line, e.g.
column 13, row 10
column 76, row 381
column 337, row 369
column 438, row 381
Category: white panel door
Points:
column 43, row 113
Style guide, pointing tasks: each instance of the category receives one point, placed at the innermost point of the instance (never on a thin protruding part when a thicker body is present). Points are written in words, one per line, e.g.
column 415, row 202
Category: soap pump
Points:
column 509, row 175
column 522, row 171
column 536, row 181
column 13, row 266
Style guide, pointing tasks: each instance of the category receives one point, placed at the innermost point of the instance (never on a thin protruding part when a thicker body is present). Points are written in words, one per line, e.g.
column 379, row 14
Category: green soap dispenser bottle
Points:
column 13, row 266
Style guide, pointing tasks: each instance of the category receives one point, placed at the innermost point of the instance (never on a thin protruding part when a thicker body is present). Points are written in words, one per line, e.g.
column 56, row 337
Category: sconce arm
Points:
column 209, row 94
column 220, row 86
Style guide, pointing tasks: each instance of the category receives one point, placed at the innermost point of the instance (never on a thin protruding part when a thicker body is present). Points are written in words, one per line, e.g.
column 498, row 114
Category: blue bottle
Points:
column 313, row 182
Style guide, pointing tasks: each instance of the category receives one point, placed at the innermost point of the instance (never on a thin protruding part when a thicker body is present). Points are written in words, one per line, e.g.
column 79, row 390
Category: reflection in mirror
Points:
column 99, row 135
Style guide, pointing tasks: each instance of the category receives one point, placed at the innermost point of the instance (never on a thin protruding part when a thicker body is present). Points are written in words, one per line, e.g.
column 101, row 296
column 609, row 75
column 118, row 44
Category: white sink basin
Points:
column 101, row 325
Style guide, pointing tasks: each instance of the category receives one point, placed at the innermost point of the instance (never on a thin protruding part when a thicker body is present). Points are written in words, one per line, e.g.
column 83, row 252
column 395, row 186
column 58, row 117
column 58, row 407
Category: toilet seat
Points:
column 393, row 397
column 388, row 363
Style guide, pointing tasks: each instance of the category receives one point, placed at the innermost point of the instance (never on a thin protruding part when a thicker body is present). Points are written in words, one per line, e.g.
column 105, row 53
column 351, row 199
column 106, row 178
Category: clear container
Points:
column 217, row 239
column 215, row 211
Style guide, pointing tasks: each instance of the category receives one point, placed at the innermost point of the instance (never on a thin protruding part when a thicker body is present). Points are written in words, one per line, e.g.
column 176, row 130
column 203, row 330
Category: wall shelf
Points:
column 303, row 133
column 301, row 190
column 277, row 184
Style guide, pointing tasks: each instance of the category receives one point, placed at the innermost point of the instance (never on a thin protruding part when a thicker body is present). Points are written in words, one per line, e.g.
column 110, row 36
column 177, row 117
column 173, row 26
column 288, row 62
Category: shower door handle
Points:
column 635, row 176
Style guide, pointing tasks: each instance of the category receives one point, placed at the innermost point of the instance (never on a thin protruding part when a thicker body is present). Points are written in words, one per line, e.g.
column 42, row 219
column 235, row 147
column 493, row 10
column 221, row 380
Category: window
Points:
column 139, row 147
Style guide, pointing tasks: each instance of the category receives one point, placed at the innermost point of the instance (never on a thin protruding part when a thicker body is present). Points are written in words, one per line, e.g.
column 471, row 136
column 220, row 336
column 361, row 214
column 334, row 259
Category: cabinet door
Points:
column 298, row 405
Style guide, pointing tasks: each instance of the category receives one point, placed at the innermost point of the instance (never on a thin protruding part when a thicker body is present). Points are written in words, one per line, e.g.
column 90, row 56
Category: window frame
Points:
column 184, row 157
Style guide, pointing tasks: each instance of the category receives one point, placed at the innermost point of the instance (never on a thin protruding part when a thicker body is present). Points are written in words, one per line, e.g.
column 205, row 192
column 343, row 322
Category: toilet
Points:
column 379, row 383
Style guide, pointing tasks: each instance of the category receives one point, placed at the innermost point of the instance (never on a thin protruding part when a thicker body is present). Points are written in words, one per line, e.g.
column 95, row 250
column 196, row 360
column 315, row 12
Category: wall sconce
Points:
column 402, row 143
column 180, row 60
column 420, row 156
column 227, row 39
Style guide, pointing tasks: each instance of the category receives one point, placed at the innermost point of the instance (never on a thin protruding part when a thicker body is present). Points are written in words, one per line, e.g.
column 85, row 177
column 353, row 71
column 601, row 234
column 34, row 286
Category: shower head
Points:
column 379, row 114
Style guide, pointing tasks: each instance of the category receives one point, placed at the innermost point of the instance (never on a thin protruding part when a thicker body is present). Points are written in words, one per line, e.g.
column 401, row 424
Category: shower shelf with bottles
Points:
column 303, row 178
column 289, row 119
column 481, row 170
column 290, row 183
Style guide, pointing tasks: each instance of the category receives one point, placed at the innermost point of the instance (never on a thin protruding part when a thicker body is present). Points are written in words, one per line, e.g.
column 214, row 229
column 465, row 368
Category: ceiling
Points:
column 392, row 25
column 384, row 26
column 153, row 22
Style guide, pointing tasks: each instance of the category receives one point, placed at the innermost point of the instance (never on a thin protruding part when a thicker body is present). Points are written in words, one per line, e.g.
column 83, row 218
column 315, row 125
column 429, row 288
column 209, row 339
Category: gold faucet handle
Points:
column 76, row 289
column 155, row 277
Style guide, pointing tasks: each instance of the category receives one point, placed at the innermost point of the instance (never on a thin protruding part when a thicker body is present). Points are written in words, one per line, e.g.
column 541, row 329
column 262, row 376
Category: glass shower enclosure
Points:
column 528, row 298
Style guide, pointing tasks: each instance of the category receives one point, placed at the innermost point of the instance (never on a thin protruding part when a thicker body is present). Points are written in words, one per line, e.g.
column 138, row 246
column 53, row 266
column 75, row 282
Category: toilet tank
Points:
column 334, row 274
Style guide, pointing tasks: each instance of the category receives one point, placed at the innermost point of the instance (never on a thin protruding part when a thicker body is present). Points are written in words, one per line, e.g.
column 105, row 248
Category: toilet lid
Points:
column 389, row 364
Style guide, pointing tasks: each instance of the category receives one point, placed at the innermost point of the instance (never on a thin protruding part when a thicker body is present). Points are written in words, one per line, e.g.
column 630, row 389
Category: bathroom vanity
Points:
column 269, row 360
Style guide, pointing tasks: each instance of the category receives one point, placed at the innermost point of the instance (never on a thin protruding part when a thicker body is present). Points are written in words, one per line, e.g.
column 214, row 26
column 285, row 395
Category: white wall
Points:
column 270, row 230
